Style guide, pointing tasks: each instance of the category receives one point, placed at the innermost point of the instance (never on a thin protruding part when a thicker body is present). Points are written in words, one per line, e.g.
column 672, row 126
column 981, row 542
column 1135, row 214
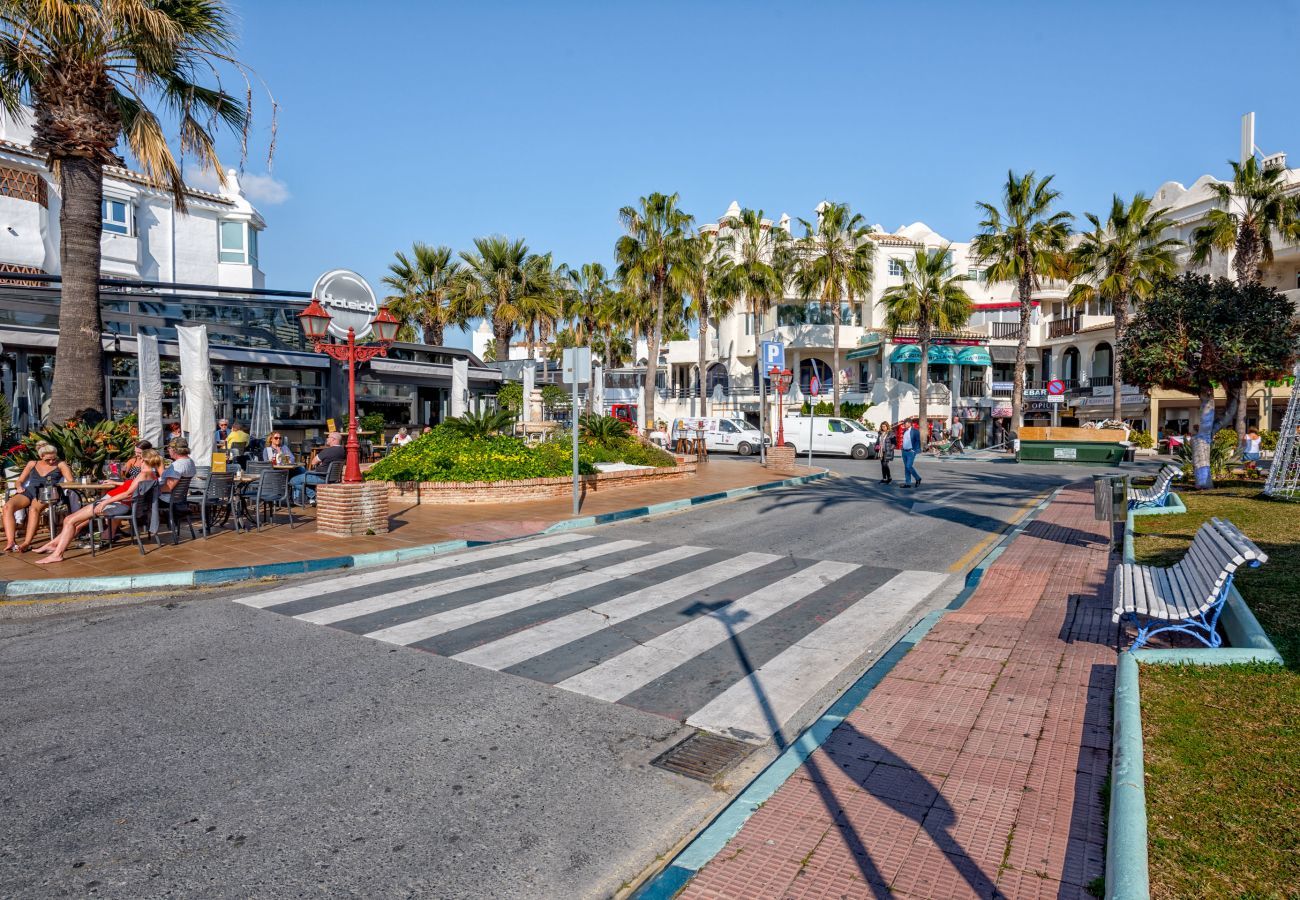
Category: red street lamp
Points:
column 781, row 380
column 315, row 320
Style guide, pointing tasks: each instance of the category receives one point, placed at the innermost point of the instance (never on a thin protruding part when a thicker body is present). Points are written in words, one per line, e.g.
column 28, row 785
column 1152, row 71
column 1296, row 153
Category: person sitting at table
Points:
column 221, row 433
column 174, row 431
column 402, row 438
column 334, row 452
column 180, row 467
column 277, row 451
column 115, row 503
column 44, row 472
column 237, row 436
column 133, row 464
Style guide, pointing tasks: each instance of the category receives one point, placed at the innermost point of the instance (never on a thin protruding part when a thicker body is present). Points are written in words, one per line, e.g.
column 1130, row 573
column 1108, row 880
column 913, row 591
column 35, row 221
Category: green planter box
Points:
column 1097, row 453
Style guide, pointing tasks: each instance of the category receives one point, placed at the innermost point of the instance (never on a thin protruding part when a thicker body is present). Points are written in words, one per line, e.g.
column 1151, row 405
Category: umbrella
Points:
column 597, row 388
column 459, row 387
column 198, row 410
column 149, row 398
column 262, row 425
column 33, row 403
column 530, row 383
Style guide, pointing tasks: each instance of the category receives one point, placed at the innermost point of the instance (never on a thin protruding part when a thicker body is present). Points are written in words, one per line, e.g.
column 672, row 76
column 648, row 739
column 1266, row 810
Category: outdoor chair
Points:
column 334, row 473
column 142, row 514
column 272, row 491
column 365, row 450
column 178, row 506
column 1189, row 596
column 201, row 474
column 257, row 467
column 216, row 499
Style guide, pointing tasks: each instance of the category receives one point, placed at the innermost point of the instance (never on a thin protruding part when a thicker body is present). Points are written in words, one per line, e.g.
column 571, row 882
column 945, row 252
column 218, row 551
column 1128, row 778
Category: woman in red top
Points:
column 115, row 502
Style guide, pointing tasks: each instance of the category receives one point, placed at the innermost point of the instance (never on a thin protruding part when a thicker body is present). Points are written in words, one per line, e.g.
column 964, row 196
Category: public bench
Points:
column 1145, row 498
column 1188, row 596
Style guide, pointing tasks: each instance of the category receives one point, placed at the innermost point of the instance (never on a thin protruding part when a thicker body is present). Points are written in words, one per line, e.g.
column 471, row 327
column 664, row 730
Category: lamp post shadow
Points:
column 936, row 817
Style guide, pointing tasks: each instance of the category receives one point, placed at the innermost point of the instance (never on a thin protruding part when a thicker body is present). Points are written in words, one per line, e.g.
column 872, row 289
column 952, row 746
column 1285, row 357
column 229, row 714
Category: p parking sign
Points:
column 771, row 354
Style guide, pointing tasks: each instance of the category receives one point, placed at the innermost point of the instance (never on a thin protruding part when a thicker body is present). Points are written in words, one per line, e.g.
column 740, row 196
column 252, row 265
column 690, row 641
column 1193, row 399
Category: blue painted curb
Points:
column 715, row 835
column 1126, row 839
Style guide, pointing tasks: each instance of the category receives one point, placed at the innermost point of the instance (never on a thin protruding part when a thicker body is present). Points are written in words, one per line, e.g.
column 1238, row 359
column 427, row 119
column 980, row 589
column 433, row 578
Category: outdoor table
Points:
column 243, row 480
column 89, row 492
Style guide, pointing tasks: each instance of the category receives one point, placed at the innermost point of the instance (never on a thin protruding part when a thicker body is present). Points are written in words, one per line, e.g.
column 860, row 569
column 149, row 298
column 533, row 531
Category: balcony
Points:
column 1063, row 327
column 974, row 388
column 815, row 336
column 1004, row 331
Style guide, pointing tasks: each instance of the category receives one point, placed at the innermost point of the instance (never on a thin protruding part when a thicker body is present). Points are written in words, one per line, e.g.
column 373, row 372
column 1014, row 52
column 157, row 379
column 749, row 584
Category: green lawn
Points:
column 1222, row 743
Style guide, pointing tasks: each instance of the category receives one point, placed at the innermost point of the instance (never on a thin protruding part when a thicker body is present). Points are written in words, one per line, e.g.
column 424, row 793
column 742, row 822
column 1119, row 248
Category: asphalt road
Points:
column 200, row 747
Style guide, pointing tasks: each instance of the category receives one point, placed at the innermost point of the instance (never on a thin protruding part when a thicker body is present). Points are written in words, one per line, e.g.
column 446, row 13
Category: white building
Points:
column 144, row 238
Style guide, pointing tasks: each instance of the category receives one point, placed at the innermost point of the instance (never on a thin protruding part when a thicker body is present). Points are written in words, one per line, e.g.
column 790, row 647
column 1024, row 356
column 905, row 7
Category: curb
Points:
column 197, row 577
column 1126, row 838
column 711, row 840
column 684, row 503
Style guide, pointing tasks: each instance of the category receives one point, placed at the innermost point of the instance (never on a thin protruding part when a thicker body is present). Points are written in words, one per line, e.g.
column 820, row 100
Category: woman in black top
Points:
column 885, row 449
column 38, row 484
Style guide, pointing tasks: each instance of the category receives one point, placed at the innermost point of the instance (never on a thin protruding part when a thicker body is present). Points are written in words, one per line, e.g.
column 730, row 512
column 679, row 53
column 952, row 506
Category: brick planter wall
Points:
column 418, row 492
column 347, row 510
column 781, row 459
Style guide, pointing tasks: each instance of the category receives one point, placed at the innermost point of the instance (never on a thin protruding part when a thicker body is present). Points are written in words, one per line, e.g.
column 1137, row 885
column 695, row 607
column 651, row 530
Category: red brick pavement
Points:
column 975, row 768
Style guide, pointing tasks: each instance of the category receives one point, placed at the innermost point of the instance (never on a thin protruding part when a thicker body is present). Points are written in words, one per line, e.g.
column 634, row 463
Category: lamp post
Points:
column 315, row 321
column 781, row 380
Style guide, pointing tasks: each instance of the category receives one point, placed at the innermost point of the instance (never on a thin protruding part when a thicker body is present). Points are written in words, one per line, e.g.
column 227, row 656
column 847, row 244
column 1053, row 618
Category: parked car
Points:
column 720, row 435
column 831, row 435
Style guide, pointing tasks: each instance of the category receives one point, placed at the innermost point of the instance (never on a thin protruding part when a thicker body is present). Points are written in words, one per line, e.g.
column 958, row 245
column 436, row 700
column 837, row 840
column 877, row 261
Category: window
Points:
column 975, row 273
column 114, row 216
column 233, row 247
column 726, row 427
column 895, row 266
column 252, row 246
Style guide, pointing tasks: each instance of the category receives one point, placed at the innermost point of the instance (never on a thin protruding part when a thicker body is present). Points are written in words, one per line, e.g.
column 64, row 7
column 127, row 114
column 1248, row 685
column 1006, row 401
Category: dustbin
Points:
column 1130, row 453
column 1110, row 497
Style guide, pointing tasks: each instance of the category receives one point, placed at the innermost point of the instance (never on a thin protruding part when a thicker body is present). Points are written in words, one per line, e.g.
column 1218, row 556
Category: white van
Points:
column 725, row 435
column 830, row 434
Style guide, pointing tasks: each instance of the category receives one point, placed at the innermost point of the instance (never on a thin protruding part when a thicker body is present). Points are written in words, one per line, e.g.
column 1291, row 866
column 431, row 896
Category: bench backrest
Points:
column 1166, row 478
column 1217, row 551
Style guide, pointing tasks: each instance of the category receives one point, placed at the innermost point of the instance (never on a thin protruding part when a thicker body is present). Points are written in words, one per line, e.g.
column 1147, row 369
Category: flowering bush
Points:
column 84, row 447
column 444, row 455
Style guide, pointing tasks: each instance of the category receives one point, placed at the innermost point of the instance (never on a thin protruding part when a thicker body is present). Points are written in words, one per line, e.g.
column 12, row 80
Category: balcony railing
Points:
column 1005, row 331
column 974, row 388
column 1063, row 327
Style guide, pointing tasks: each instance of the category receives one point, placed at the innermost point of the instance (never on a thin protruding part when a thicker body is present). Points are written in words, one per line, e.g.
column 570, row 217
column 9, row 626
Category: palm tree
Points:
column 1023, row 242
column 762, row 262
column 704, row 275
column 1252, row 207
column 834, row 264
column 930, row 299
column 656, row 229
column 587, row 300
column 495, row 277
column 541, row 301
column 424, row 283
column 1120, row 261
column 94, row 73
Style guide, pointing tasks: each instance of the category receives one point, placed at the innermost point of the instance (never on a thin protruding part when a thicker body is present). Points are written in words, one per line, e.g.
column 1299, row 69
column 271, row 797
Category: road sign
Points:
column 1055, row 398
column 772, row 355
column 1056, row 386
column 349, row 300
column 577, row 365
column 1034, row 392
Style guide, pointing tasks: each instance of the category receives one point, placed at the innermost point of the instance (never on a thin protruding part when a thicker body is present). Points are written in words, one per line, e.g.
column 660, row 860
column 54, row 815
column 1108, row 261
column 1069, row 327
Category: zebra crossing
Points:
column 730, row 643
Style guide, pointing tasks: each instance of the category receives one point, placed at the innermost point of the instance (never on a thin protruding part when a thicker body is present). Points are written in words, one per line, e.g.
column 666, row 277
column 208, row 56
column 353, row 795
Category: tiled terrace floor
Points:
column 411, row 526
column 975, row 768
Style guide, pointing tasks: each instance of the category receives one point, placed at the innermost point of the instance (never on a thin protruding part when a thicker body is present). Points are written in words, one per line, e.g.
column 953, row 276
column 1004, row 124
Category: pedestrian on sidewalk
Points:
column 885, row 449
column 911, row 447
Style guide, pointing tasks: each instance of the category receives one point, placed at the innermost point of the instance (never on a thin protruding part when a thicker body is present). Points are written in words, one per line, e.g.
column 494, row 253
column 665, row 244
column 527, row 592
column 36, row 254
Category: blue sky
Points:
column 405, row 121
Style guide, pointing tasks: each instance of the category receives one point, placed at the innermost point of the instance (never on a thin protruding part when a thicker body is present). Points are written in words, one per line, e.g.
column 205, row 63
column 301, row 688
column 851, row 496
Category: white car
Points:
column 830, row 434
column 720, row 435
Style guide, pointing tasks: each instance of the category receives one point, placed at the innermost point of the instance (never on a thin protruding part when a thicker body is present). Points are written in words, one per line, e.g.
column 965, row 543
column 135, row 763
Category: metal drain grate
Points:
column 702, row 756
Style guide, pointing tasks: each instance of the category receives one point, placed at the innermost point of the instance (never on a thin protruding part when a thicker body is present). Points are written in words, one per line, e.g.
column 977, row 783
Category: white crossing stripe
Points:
column 779, row 688
column 463, row 582
column 367, row 577
column 546, row 636
column 451, row 619
column 621, row 675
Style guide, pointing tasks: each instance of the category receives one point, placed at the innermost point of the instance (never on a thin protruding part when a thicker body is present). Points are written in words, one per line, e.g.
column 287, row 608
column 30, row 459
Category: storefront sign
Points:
column 1036, row 393
column 349, row 300
column 1004, row 385
column 1001, row 412
column 1125, row 391
column 1065, row 453
column 970, row 413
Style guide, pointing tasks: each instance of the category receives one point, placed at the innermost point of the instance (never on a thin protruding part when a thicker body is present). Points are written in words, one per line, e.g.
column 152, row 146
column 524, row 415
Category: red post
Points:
column 781, row 379
column 352, row 469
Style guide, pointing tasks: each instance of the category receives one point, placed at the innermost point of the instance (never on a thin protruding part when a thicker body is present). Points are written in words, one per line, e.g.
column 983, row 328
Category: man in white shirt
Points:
column 911, row 447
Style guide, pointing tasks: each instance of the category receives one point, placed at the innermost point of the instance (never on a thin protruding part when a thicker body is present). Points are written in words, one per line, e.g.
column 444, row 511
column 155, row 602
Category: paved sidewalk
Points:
column 975, row 768
column 411, row 526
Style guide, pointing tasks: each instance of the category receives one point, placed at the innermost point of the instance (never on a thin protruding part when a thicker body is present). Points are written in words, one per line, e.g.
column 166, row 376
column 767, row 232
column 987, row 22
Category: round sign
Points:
column 349, row 300
column 1056, row 386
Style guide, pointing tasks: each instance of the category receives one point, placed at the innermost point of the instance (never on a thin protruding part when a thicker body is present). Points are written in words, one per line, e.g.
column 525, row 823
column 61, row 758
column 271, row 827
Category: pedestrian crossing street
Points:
column 732, row 643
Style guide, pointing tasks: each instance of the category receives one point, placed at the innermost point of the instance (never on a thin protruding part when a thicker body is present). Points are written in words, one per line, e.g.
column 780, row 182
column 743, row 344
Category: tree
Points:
column 1193, row 333
column 762, row 263
column 656, row 229
column 1023, row 242
column 96, row 73
column 542, row 299
column 704, row 275
column 834, row 264
column 495, row 277
column 587, row 300
column 1120, row 262
column 424, row 283
column 930, row 299
column 1252, row 208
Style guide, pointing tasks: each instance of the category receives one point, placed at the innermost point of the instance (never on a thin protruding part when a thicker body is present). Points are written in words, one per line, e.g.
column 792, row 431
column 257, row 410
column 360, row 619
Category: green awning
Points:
column 975, row 356
column 907, row 353
column 863, row 352
column 941, row 354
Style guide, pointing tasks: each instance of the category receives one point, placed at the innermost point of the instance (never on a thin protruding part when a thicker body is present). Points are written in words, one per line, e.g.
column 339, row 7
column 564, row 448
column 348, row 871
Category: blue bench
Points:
column 1154, row 496
column 1187, row 597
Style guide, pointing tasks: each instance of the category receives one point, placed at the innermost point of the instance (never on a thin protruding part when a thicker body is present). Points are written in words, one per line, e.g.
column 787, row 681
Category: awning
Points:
column 863, row 352
column 1002, row 354
column 939, row 354
column 975, row 356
